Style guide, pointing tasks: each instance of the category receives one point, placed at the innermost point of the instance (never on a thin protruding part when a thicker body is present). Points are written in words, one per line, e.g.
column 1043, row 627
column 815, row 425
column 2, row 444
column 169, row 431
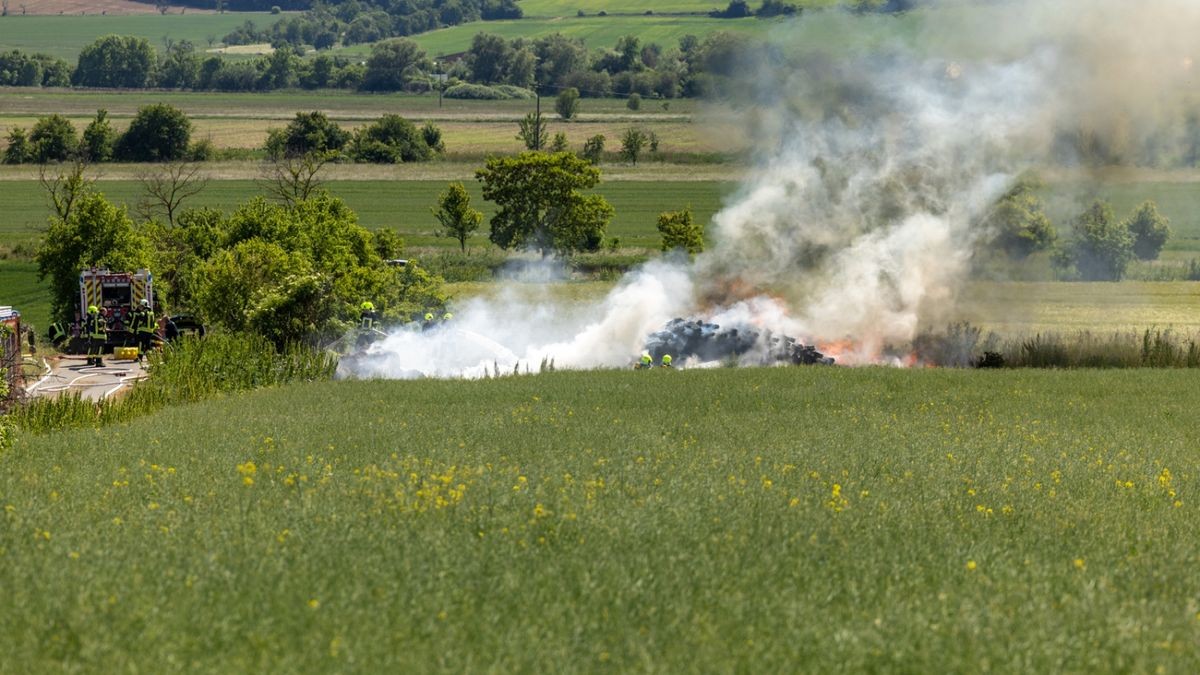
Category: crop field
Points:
column 569, row 8
column 405, row 206
column 844, row 519
column 64, row 36
column 283, row 105
column 595, row 31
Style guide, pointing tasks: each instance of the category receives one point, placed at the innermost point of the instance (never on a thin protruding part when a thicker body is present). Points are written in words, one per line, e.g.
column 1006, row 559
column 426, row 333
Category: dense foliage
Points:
column 541, row 204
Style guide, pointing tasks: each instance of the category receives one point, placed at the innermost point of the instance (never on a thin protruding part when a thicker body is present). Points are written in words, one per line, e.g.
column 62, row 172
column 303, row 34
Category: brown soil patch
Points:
column 89, row 7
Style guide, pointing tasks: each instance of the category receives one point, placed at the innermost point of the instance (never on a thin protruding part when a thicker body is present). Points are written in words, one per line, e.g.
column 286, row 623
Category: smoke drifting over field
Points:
column 859, row 222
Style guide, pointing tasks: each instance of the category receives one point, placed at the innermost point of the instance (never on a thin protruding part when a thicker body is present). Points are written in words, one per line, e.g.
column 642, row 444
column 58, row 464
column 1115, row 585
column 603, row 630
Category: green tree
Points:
column 1150, row 230
column 181, row 67
column 679, row 230
column 1018, row 223
column 393, row 64
column 533, row 131
column 633, row 141
column 559, row 144
column 567, row 103
column 540, row 203
column 94, row 234
column 115, row 61
column 99, row 138
column 455, row 214
column 390, row 140
column 18, row 150
column 158, row 133
column 53, row 139
column 307, row 132
column 1103, row 247
column 433, row 137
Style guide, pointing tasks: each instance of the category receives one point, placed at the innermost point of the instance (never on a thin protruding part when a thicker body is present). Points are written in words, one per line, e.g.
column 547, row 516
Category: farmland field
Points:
column 65, row 36
column 843, row 519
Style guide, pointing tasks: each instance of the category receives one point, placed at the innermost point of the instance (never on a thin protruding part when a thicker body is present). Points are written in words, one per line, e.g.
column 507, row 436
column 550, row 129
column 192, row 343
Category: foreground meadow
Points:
column 776, row 520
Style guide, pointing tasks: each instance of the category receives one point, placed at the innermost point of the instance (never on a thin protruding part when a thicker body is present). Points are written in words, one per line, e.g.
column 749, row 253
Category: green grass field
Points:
column 567, row 8
column 65, row 36
column 595, row 31
column 405, row 206
column 849, row 520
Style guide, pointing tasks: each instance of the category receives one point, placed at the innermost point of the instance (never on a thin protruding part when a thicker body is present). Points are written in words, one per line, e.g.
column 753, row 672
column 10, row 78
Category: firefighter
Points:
column 143, row 325
column 446, row 317
column 666, row 361
column 646, row 363
column 428, row 322
column 96, row 334
column 369, row 318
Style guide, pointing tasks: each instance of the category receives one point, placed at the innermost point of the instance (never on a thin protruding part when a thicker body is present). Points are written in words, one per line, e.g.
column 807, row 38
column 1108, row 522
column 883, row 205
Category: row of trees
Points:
column 328, row 24
column 157, row 133
column 551, row 64
column 162, row 133
column 1101, row 246
column 389, row 140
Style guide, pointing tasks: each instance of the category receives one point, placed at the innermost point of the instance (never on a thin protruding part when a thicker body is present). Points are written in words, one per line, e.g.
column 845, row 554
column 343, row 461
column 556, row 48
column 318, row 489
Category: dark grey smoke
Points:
column 703, row 342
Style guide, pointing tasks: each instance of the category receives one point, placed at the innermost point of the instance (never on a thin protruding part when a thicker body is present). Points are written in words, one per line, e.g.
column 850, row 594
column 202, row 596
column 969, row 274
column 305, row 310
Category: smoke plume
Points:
column 860, row 219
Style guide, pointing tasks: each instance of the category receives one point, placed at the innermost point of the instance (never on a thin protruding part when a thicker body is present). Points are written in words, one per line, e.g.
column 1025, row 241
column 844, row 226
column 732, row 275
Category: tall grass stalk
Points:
column 191, row 370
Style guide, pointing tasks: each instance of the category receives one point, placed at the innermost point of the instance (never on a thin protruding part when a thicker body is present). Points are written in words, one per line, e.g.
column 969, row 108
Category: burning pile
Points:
column 700, row 341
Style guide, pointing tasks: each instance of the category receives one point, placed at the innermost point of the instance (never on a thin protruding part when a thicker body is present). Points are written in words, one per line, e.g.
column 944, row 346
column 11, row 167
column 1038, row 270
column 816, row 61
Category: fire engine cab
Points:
column 115, row 294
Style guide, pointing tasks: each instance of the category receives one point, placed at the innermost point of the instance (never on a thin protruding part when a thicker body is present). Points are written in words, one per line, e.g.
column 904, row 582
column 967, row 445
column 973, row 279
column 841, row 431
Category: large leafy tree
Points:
column 94, row 234
column 158, row 133
column 393, row 64
column 540, row 203
column 307, row 132
column 115, row 61
column 1150, row 230
column 1103, row 247
column 1018, row 223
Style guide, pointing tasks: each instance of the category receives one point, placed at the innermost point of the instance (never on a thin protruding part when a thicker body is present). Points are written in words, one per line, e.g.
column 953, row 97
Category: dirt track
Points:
column 70, row 374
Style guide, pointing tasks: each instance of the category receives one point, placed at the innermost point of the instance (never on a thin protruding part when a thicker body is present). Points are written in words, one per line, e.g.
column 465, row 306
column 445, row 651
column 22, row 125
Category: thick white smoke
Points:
column 860, row 219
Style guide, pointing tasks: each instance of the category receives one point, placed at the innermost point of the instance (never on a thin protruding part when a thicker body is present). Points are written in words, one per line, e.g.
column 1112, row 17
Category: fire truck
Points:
column 116, row 294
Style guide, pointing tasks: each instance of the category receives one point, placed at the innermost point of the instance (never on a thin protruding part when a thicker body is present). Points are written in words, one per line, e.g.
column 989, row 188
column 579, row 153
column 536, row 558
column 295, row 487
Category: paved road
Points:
column 69, row 373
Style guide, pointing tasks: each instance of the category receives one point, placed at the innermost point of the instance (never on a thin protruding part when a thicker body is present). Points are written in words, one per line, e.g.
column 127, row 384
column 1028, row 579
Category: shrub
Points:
column 634, row 102
column 680, row 231
column 1103, row 247
column 390, row 140
column 1150, row 231
column 593, row 148
column 567, row 103
column 99, row 138
column 18, row 151
column 52, row 139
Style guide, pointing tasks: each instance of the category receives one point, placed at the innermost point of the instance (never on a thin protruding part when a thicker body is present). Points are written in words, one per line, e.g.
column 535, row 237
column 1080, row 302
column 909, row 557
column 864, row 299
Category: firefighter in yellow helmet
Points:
column 143, row 326
column 368, row 318
column 666, row 360
column 427, row 321
column 95, row 334
column 646, row 362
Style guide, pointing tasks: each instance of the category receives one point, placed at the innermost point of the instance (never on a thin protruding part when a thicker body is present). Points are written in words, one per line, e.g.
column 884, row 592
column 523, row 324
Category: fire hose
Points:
column 124, row 377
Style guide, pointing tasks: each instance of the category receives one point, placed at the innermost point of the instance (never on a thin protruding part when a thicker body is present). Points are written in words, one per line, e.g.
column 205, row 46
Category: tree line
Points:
column 1100, row 247
column 163, row 133
column 693, row 67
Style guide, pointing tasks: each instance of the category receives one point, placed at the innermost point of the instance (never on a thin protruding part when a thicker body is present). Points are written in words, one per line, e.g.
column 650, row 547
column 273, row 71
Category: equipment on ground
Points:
column 704, row 342
column 114, row 295
column 10, row 347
